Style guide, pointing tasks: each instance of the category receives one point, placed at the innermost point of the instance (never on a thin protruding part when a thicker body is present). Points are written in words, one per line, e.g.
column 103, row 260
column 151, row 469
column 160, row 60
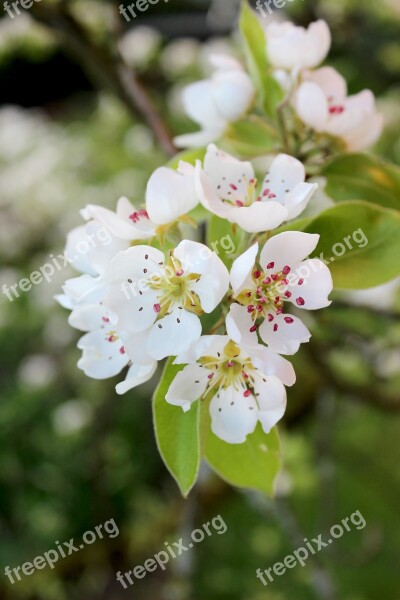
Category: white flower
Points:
column 214, row 103
column 321, row 102
column 165, row 297
column 228, row 188
column 245, row 384
column 106, row 351
column 293, row 48
column 282, row 275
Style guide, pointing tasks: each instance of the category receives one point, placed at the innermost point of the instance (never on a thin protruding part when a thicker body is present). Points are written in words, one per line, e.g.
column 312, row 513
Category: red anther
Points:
column 267, row 281
column 250, row 308
column 259, row 308
column 239, row 203
column 122, row 350
column 105, row 319
column 233, row 186
column 275, row 327
column 300, row 282
column 230, row 363
column 134, row 217
column 247, row 393
column 244, row 375
column 300, row 301
column 266, row 192
column 248, row 294
column 289, row 320
column 279, row 311
column 271, row 195
column 257, row 274
column 253, row 329
column 270, row 265
column 275, row 277
column 143, row 213
column 179, row 273
column 156, row 308
column 286, row 270
column 210, row 376
column 285, row 281
column 258, row 199
column 270, row 318
column 277, row 300
column 288, row 294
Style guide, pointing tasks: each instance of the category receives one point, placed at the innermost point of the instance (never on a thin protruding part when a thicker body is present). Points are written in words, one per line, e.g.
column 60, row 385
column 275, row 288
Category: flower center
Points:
column 229, row 369
column 175, row 289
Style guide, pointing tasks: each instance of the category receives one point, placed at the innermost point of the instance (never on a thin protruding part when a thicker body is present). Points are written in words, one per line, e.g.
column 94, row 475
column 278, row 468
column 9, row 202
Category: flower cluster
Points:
column 317, row 96
column 138, row 305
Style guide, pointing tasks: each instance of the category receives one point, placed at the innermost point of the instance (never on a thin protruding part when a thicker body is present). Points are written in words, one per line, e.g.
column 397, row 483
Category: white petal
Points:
column 285, row 173
column 316, row 285
column 207, row 345
column 200, row 138
column 228, row 175
column 214, row 276
column 233, row 416
column 120, row 228
column 136, row 375
column 233, row 93
column 297, row 200
column 365, row 136
column 85, row 289
column 242, row 269
column 170, row 195
column 331, row 83
column 135, row 345
column 288, row 249
column 188, row 386
column 311, row 105
column 260, row 216
column 290, row 47
column 199, row 104
column 207, row 194
column 173, row 334
column 65, row 301
column 271, row 400
column 224, row 62
column 138, row 263
column 271, row 363
column 101, row 358
column 286, row 339
column 135, row 312
column 238, row 325
column 77, row 238
column 91, row 317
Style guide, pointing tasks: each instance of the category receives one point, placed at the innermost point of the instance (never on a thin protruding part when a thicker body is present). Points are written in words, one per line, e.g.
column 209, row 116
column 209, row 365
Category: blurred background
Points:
column 72, row 453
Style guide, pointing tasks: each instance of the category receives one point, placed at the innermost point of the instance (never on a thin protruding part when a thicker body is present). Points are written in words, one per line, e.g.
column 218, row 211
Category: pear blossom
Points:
column 107, row 351
column 228, row 188
column 293, row 48
column 163, row 298
column 322, row 103
column 214, row 103
column 246, row 385
column 282, row 274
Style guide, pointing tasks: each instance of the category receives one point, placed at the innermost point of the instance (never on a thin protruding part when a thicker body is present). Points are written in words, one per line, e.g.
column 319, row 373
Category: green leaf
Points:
column 269, row 91
column 224, row 238
column 189, row 156
column 253, row 464
column 363, row 177
column 177, row 433
column 360, row 242
column 251, row 137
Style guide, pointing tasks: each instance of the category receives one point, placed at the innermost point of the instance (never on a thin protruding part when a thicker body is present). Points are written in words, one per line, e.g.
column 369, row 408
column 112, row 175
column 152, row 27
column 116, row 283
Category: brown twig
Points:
column 105, row 68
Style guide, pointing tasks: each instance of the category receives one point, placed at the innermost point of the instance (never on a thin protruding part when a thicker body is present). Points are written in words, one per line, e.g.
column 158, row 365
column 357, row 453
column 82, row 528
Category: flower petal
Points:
column 233, row 93
column 311, row 105
column 137, row 375
column 316, row 284
column 233, row 416
column 101, row 358
column 284, row 174
column 173, row 334
column 288, row 249
column 135, row 346
column 238, row 325
column 282, row 336
column 271, row 363
column 297, row 200
column 188, row 386
column 229, row 176
column 260, row 216
column 271, row 399
column 170, row 195
column 242, row 269
column 207, row 345
column 330, row 81
column 91, row 317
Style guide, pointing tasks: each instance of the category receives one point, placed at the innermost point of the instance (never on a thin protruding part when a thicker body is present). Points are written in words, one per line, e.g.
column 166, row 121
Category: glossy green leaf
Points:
column 360, row 242
column 251, row 137
column 177, row 433
column 269, row 91
column 252, row 465
column 363, row 177
column 224, row 238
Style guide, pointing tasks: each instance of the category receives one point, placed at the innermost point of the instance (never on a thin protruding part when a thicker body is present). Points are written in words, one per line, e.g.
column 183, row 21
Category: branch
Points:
column 105, row 69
